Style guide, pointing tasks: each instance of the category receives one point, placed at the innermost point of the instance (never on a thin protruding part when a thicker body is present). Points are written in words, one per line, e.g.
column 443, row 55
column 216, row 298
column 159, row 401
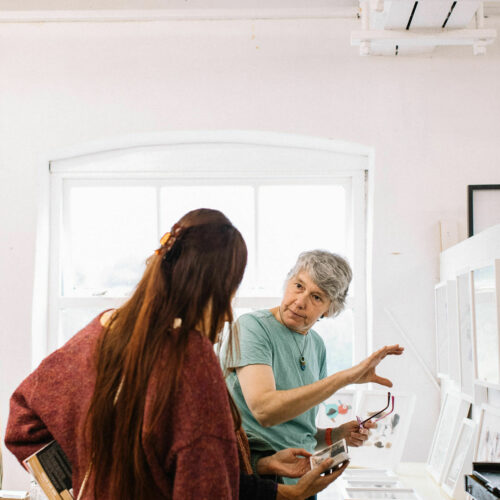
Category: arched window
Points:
column 109, row 208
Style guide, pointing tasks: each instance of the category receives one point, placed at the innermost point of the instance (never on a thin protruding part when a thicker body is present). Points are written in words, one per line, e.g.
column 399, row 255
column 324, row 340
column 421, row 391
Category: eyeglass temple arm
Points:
column 381, row 411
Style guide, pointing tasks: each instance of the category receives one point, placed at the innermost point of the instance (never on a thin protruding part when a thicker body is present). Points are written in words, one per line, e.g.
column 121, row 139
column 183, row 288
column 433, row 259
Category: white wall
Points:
column 433, row 122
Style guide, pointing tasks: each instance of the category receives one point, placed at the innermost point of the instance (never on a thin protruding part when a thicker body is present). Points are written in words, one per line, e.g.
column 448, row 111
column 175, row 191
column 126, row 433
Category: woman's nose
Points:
column 300, row 302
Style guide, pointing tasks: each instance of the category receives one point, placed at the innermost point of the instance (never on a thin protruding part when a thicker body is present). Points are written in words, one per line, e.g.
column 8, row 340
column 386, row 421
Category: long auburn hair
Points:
column 199, row 273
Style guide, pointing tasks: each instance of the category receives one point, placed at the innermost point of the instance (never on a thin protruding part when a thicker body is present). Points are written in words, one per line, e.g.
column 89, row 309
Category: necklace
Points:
column 302, row 361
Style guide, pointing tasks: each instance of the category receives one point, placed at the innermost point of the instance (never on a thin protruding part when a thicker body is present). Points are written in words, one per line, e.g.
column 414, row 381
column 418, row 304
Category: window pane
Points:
column 110, row 232
column 236, row 202
column 337, row 333
column 293, row 219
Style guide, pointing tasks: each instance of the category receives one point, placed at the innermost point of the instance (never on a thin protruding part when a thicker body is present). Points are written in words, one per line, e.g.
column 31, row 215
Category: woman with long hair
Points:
column 137, row 399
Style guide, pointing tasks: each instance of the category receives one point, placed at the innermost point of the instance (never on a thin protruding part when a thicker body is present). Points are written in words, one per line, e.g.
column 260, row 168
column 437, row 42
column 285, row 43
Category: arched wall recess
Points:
column 198, row 157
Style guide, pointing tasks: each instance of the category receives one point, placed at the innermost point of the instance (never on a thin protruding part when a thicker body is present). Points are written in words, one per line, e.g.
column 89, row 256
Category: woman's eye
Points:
column 298, row 285
column 316, row 298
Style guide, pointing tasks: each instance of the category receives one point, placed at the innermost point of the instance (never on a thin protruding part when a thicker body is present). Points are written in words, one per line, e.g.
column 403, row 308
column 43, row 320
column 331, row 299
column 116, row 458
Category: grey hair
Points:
column 331, row 272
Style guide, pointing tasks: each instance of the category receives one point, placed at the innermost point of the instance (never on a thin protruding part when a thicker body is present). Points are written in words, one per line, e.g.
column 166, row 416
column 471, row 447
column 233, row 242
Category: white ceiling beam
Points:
column 141, row 15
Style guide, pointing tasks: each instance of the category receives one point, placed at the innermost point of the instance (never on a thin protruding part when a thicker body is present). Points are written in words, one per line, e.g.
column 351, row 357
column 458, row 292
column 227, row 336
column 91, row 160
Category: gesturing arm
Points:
column 271, row 407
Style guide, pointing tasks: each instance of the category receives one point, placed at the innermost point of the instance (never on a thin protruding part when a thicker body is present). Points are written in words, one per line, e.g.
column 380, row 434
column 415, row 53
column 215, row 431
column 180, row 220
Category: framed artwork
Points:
column 368, row 474
column 446, row 345
column 453, row 410
column 388, row 482
column 464, row 302
column 460, row 462
column 336, row 410
column 395, row 493
column 486, row 283
column 452, row 325
column 483, row 207
column 385, row 445
column 488, row 442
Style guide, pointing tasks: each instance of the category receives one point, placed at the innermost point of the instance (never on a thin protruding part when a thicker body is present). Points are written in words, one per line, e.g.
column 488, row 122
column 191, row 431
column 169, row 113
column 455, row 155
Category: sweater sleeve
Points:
column 252, row 487
column 25, row 432
column 205, row 469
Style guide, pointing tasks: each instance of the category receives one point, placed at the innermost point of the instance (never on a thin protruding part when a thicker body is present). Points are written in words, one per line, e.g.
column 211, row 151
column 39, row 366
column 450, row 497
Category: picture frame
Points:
column 337, row 409
column 381, row 493
column 460, row 462
column 442, row 335
column 386, row 443
column 488, row 436
column 388, row 482
column 483, row 201
column 465, row 332
column 447, row 341
column 454, row 409
column 368, row 474
column 486, row 321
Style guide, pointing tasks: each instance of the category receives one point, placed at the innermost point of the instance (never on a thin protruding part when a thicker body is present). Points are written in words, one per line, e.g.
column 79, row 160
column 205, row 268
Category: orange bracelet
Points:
column 328, row 436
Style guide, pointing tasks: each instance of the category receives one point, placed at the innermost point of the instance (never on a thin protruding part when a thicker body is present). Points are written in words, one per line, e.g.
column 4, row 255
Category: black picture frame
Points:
column 470, row 201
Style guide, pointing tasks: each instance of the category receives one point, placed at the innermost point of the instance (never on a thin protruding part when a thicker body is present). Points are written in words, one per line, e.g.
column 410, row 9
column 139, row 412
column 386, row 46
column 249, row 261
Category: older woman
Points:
column 280, row 376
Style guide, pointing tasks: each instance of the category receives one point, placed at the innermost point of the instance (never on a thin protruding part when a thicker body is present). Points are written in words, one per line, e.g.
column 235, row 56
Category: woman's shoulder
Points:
column 200, row 355
column 317, row 339
column 78, row 345
column 263, row 318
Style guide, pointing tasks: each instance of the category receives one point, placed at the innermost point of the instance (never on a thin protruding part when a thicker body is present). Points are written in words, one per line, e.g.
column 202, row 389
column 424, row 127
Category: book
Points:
column 52, row 471
column 337, row 451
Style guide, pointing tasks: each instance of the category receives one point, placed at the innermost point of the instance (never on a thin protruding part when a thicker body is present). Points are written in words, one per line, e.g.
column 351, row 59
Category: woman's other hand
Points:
column 364, row 372
column 291, row 462
column 310, row 484
column 353, row 434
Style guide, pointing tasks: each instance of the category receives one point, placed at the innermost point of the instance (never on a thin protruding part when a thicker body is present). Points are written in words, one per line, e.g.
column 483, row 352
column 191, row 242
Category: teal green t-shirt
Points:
column 265, row 341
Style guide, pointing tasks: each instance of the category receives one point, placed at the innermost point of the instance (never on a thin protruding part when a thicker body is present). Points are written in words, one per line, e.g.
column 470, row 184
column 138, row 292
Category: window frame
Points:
column 94, row 164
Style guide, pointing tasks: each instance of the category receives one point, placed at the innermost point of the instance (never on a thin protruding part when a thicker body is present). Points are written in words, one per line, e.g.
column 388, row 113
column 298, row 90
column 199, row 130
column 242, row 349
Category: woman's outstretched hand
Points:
column 291, row 462
column 310, row 484
column 365, row 371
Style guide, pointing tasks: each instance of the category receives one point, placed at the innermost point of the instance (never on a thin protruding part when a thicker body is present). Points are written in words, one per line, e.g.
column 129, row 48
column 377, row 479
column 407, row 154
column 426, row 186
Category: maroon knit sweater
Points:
column 194, row 455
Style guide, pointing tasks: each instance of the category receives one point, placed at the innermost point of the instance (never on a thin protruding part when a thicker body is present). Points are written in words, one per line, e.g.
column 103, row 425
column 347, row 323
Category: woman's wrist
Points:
column 287, row 492
column 264, row 466
column 337, row 434
column 346, row 377
column 340, row 379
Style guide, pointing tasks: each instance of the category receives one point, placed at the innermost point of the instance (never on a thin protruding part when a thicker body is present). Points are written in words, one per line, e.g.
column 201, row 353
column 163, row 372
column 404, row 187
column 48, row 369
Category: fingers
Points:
column 381, row 353
column 382, row 381
column 335, row 474
column 370, row 425
column 319, row 482
column 321, row 468
column 338, row 472
column 300, row 452
column 358, row 438
column 393, row 349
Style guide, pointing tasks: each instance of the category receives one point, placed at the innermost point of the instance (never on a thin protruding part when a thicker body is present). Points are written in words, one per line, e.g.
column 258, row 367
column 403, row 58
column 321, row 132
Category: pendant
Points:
column 302, row 362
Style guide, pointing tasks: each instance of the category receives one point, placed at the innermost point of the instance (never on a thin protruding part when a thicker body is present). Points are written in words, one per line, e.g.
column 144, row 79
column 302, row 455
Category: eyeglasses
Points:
column 380, row 414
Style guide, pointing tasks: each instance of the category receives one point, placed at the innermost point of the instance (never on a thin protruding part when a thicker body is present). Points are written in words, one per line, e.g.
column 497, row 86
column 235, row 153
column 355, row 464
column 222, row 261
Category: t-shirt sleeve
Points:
column 255, row 344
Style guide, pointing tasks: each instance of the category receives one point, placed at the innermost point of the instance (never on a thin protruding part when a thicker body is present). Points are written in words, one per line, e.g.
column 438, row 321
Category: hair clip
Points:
column 163, row 242
column 168, row 239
